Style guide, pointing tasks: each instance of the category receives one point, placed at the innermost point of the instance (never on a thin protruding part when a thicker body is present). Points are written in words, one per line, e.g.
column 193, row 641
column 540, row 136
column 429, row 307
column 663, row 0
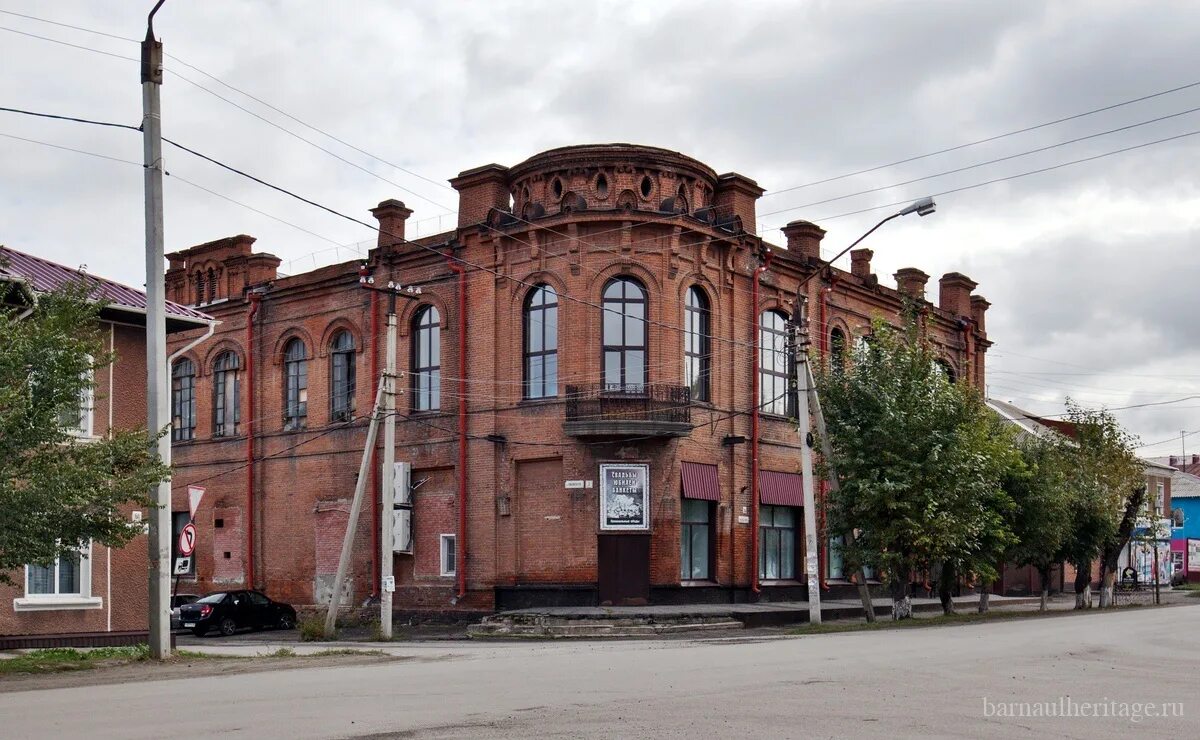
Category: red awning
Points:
column 700, row 481
column 780, row 489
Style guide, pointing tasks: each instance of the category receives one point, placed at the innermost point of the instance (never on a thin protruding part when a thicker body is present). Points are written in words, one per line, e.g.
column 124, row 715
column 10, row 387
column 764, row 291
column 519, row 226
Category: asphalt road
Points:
column 929, row 682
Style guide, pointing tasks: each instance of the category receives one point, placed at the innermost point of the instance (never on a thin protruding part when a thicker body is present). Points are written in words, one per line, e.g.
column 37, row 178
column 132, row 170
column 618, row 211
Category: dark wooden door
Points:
column 624, row 569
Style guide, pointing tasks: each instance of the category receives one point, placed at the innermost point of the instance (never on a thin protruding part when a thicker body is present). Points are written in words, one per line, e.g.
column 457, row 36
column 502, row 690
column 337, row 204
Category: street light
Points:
column 922, row 207
column 804, row 387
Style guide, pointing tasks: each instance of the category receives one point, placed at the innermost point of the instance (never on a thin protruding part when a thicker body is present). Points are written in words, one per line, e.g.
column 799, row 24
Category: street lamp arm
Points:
column 922, row 207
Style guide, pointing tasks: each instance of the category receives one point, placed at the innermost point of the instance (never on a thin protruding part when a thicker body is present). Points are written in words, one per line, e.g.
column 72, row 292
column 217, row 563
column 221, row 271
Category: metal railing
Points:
column 609, row 402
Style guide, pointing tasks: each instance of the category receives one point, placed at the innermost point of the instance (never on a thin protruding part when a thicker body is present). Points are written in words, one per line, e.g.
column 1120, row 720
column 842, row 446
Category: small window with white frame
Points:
column 449, row 554
column 64, row 583
column 77, row 421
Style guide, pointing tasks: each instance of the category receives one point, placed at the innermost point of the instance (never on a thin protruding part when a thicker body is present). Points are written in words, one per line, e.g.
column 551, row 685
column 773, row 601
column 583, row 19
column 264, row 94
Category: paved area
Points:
column 931, row 682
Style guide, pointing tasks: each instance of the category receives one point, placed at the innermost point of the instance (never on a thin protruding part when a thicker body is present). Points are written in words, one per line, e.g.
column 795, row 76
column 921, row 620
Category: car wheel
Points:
column 287, row 622
column 228, row 626
column 199, row 631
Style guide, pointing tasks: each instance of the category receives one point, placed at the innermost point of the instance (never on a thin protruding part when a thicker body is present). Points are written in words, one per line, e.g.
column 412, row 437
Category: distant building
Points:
column 595, row 364
column 1185, row 522
column 100, row 595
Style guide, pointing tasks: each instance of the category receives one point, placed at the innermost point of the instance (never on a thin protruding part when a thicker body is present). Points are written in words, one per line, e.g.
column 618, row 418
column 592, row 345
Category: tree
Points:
column 1104, row 480
column 58, row 491
column 1040, row 522
column 920, row 462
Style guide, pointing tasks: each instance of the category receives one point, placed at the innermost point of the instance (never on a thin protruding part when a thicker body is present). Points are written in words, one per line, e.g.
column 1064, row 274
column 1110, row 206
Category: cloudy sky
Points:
column 1091, row 268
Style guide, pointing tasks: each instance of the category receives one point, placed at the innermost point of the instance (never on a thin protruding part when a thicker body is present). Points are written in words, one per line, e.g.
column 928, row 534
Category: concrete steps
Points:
column 545, row 626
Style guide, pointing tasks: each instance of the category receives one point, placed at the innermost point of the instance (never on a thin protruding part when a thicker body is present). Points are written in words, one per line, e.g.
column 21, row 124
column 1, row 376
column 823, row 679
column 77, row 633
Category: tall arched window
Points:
column 226, row 409
column 341, row 377
column 948, row 369
column 427, row 360
column 775, row 364
column 183, row 400
column 624, row 334
column 211, row 284
column 541, row 343
column 295, row 385
column 837, row 350
column 697, row 344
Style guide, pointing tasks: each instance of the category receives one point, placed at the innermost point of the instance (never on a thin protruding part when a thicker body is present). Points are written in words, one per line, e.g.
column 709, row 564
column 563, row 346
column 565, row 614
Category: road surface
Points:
column 929, row 682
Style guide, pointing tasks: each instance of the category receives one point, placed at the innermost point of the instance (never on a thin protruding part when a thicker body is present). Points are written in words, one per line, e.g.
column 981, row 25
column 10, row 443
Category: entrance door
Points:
column 624, row 569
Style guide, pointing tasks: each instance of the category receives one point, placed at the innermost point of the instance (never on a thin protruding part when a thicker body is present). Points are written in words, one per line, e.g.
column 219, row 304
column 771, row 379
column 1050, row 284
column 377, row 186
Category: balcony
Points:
column 616, row 411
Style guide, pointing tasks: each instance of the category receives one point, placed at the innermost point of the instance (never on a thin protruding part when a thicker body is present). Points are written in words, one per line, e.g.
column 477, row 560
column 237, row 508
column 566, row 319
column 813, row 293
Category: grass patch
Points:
column 1193, row 587
column 312, row 629
column 283, row 652
column 57, row 660
column 343, row 651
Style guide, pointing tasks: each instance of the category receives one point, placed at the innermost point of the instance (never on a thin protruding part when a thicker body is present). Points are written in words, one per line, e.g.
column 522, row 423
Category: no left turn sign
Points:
column 187, row 539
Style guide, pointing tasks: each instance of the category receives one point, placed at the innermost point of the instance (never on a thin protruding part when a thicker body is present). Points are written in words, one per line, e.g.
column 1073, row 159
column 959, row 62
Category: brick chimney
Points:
column 479, row 191
column 911, row 282
column 979, row 307
column 735, row 196
column 804, row 239
column 954, row 294
column 391, row 215
column 860, row 263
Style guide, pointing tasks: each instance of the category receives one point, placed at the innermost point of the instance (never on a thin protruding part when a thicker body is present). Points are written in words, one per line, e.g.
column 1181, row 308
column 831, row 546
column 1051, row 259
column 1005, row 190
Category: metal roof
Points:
column 44, row 276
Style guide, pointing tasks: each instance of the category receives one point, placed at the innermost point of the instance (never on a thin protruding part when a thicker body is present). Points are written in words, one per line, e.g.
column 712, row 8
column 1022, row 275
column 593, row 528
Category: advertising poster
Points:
column 1193, row 556
column 624, row 496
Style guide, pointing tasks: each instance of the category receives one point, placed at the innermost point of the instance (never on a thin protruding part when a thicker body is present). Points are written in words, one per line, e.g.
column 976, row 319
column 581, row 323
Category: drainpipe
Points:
column 255, row 298
column 463, row 558
column 823, row 347
column 375, row 469
column 754, row 392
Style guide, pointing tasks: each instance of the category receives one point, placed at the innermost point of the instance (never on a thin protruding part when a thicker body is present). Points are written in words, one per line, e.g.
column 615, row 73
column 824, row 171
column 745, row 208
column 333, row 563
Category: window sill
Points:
column 57, row 603
column 545, row 401
column 697, row 583
column 781, row 582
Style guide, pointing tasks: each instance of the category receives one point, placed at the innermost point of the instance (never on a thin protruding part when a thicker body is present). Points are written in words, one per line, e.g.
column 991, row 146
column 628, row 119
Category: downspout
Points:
column 375, row 468
column 463, row 557
column 255, row 297
column 822, row 490
column 212, row 327
column 754, row 393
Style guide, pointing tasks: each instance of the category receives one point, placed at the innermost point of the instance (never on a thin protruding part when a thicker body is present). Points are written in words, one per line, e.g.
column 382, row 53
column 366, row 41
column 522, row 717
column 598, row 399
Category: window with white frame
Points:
column 1160, row 500
column 64, row 583
column 77, row 420
column 449, row 554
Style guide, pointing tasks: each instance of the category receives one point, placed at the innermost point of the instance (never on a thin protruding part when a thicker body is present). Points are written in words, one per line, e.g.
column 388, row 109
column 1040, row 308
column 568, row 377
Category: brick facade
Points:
column 573, row 219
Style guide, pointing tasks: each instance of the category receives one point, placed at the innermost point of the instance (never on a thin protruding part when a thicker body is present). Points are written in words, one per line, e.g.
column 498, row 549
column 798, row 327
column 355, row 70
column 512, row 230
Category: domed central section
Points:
column 610, row 177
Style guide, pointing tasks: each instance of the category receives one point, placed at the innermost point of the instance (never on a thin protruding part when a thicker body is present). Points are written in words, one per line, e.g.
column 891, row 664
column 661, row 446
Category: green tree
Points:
column 1041, row 516
column 58, row 491
column 1105, row 488
column 920, row 462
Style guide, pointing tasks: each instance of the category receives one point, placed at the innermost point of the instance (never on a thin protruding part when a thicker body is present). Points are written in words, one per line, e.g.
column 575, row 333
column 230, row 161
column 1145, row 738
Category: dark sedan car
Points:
column 229, row 611
column 177, row 601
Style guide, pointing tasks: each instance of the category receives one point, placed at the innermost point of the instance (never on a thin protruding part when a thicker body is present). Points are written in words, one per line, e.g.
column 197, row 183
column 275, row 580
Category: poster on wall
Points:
column 624, row 496
column 1193, row 556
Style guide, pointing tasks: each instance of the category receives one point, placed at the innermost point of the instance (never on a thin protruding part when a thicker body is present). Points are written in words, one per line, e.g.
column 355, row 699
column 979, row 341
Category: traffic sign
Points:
column 187, row 539
column 183, row 566
column 195, row 493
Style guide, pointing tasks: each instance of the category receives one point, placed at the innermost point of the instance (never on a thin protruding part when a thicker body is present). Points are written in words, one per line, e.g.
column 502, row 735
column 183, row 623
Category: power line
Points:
column 68, row 25
column 73, row 46
column 1017, row 176
column 986, row 140
column 981, row 164
column 72, row 149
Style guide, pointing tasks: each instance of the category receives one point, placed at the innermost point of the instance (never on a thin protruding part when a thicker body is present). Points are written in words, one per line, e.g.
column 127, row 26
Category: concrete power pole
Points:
column 387, row 581
column 799, row 342
column 158, row 411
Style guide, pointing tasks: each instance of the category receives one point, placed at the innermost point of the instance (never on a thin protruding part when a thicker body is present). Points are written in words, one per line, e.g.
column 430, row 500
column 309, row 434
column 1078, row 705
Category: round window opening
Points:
column 602, row 186
column 557, row 187
column 647, row 186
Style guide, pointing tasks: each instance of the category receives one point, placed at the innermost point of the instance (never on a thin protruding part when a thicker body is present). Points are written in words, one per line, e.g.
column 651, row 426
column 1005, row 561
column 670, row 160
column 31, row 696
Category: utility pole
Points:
column 387, row 581
column 158, row 411
column 798, row 337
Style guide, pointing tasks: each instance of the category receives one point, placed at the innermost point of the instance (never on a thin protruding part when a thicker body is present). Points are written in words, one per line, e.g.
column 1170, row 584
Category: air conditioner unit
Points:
column 402, row 485
column 402, row 539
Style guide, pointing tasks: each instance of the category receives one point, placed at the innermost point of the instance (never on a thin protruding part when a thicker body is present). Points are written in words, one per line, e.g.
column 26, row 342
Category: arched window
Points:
column 295, row 384
column 624, row 335
column 948, row 370
column 211, row 284
column 199, row 281
column 775, row 364
column 837, row 350
column 697, row 344
column 541, row 343
column 226, row 408
column 183, row 400
column 341, row 377
column 427, row 360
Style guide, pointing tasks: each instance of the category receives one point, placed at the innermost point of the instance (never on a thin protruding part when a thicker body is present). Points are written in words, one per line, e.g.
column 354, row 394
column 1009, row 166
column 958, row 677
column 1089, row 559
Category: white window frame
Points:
column 87, row 403
column 56, row 601
column 447, row 543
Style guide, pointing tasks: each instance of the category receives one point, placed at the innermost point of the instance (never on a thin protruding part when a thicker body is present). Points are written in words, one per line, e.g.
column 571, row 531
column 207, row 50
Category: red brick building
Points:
column 593, row 340
column 98, row 596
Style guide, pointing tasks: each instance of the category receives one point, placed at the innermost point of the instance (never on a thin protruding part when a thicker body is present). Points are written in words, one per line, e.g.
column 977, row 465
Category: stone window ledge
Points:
column 57, row 603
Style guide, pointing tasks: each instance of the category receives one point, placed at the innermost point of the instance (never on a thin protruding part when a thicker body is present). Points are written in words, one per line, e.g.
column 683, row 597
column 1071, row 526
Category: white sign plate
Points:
column 182, row 566
column 574, row 484
column 389, row 584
